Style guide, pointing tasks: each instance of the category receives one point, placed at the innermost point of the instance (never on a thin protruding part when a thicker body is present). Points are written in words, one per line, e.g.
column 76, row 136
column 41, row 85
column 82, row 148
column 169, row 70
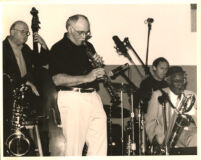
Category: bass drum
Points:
column 114, row 140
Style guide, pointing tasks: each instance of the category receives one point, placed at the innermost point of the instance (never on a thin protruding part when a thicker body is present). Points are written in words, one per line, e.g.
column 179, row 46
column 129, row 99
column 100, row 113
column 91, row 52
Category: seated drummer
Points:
column 153, row 82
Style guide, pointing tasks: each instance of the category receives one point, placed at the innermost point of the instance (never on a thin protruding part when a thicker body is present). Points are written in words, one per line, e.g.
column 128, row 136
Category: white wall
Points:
column 170, row 37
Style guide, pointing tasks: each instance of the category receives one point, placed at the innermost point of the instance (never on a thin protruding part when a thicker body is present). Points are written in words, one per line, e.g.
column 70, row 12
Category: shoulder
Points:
column 159, row 92
column 25, row 46
column 6, row 43
column 146, row 82
column 27, row 51
column 58, row 44
column 147, row 79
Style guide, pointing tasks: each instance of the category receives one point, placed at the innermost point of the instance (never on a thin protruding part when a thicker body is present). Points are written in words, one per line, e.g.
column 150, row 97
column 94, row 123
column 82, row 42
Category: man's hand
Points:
column 33, row 88
column 39, row 39
column 95, row 74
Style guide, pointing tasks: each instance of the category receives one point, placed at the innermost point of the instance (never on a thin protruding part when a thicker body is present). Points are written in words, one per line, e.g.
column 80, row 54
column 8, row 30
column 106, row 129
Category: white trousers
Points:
column 83, row 120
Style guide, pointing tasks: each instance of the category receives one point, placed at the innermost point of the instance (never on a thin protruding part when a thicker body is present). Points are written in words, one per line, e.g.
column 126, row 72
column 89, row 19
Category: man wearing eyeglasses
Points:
column 18, row 58
column 81, row 110
column 181, row 113
column 18, row 62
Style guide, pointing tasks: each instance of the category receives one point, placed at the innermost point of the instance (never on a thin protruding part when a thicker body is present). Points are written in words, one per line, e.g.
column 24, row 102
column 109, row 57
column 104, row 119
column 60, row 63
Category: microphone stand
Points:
column 127, row 43
column 146, row 66
column 147, row 72
column 132, row 144
column 163, row 102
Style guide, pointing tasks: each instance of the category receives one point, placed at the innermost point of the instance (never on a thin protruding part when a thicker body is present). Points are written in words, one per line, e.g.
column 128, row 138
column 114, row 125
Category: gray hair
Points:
column 74, row 19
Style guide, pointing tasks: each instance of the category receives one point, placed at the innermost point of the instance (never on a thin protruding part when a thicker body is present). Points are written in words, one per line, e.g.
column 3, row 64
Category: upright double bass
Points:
column 44, row 82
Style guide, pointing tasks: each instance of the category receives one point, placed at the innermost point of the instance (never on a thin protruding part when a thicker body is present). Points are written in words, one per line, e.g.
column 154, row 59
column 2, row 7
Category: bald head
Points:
column 73, row 19
column 19, row 32
column 16, row 24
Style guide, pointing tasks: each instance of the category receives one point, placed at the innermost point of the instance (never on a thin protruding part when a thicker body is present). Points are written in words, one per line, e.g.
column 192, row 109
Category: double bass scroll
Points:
column 35, row 27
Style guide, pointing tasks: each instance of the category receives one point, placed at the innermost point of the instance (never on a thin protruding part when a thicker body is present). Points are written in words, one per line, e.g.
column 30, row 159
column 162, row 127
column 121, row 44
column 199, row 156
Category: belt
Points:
column 81, row 90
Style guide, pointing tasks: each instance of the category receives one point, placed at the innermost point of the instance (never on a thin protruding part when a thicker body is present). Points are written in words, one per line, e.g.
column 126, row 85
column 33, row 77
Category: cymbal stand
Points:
column 110, row 132
column 133, row 145
column 122, row 123
column 142, row 137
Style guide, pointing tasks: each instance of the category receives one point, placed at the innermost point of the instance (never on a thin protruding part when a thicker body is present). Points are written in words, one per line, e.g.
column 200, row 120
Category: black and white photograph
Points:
column 100, row 79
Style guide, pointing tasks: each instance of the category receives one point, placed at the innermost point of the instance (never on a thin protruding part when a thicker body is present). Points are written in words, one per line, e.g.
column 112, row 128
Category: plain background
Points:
column 171, row 35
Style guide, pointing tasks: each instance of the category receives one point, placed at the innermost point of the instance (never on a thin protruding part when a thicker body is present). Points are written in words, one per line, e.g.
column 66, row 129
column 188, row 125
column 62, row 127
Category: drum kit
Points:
column 116, row 133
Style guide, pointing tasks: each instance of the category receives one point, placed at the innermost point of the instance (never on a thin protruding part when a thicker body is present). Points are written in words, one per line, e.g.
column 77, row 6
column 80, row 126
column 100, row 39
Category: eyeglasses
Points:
column 82, row 33
column 27, row 33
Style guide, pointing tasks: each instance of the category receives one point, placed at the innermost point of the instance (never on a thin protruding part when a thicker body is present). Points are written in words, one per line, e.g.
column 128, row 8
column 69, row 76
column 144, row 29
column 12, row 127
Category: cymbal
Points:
column 126, row 88
column 116, row 111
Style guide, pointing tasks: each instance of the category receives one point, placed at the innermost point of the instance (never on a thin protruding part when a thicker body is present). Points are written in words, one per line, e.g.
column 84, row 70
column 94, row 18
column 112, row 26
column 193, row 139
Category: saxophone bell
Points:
column 17, row 143
column 183, row 119
column 180, row 120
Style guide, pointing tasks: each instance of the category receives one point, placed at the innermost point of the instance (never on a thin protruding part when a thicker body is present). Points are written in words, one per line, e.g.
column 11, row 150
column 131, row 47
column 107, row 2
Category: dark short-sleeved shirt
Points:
column 68, row 58
column 150, row 84
column 147, row 86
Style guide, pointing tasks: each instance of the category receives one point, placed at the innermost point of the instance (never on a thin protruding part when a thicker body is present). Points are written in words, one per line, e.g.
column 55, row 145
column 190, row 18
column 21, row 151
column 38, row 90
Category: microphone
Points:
column 149, row 20
column 115, row 72
column 119, row 44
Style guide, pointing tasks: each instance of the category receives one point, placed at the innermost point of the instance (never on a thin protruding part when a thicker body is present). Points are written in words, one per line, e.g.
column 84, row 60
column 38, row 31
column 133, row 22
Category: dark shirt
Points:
column 31, row 59
column 147, row 86
column 68, row 58
column 11, row 71
column 150, row 84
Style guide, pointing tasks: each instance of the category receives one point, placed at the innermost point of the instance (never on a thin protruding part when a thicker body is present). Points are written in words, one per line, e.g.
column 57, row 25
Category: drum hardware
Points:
column 120, row 112
column 114, row 133
column 141, row 128
column 115, row 111
column 122, row 123
column 129, row 89
column 131, row 145
column 114, row 140
column 110, row 131
column 123, row 87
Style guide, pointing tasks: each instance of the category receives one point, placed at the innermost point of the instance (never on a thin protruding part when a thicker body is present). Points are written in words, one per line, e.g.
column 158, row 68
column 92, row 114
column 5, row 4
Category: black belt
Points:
column 81, row 90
